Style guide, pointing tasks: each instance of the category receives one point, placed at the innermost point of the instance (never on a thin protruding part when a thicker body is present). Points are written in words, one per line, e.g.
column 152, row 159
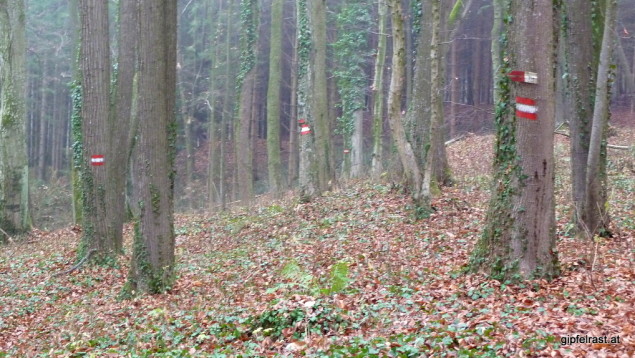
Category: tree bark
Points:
column 378, row 94
column 319, row 95
column 96, row 159
column 152, row 266
column 518, row 241
column 594, row 208
column 14, row 169
column 273, row 100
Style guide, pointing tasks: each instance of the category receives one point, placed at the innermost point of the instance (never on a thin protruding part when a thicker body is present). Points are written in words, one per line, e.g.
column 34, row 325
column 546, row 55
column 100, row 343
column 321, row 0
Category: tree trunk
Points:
column 273, row 100
column 152, row 266
column 518, row 241
column 308, row 167
column 412, row 170
column 596, row 218
column 14, row 169
column 96, row 158
column 319, row 95
column 294, row 157
column 378, row 94
column 246, row 83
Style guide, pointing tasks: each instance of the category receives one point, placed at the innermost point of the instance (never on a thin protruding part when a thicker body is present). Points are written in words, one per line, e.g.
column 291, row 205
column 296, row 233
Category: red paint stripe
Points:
column 518, row 76
column 532, row 116
column 524, row 100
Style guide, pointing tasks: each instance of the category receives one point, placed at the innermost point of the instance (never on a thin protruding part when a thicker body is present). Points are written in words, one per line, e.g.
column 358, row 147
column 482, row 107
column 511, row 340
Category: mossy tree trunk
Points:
column 14, row 170
column 308, row 166
column 152, row 265
column 273, row 99
column 378, row 93
column 246, row 87
column 319, row 95
column 412, row 169
column 518, row 241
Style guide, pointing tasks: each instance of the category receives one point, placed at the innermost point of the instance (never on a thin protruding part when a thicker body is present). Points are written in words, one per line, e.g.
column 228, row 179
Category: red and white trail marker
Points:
column 97, row 160
column 346, row 151
column 305, row 129
column 526, row 108
column 523, row 76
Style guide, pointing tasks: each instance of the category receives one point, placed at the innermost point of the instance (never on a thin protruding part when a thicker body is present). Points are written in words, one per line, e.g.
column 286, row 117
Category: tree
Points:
column 92, row 126
column 412, row 169
column 353, row 24
column 518, row 241
column 14, row 170
column 378, row 92
column 246, row 83
column 308, row 166
column 152, row 265
column 273, row 99
column 594, row 209
column 319, row 95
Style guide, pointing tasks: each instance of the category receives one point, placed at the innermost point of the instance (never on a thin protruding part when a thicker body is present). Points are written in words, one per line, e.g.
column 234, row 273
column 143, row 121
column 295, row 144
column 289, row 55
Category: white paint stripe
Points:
column 97, row 160
column 526, row 108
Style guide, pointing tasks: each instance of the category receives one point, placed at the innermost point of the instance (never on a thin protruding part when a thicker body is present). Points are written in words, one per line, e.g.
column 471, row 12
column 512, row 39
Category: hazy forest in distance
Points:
column 323, row 178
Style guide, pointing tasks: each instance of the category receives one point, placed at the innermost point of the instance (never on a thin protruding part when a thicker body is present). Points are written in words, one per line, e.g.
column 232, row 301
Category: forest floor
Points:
column 351, row 274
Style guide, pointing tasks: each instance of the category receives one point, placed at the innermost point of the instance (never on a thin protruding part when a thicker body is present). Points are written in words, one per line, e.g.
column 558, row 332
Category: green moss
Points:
column 155, row 196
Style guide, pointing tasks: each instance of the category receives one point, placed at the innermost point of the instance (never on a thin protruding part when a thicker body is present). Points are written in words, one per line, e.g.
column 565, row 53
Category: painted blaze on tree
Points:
column 519, row 237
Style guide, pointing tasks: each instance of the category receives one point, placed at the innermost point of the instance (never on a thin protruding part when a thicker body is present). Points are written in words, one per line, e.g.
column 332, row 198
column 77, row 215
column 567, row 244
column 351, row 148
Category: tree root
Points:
column 77, row 265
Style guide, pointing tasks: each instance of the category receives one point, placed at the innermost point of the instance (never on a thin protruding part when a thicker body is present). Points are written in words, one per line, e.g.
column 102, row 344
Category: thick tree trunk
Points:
column 519, row 237
column 152, row 266
column 14, row 169
column 96, row 160
column 273, row 100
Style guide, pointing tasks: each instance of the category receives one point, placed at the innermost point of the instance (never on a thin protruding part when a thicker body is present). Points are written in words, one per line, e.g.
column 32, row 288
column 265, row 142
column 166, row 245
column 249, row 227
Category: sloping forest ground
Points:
column 351, row 274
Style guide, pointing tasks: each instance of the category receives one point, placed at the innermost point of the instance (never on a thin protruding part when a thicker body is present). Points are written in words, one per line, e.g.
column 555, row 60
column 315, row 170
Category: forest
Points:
column 319, row 178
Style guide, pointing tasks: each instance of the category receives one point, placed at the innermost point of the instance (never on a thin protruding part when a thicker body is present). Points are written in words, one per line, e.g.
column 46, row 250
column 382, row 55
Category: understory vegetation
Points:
column 351, row 274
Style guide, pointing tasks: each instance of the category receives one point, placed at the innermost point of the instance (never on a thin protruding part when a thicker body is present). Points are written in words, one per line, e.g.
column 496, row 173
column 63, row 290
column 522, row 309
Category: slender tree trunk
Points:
column 273, row 99
column 124, row 124
column 152, row 266
column 14, row 167
column 518, row 241
column 294, row 158
column 43, row 120
column 319, row 95
column 308, row 166
column 246, row 83
column 378, row 94
column 596, row 216
column 412, row 170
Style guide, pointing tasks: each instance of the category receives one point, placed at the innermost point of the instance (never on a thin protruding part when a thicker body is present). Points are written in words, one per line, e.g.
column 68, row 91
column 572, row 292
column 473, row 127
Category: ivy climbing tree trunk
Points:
column 308, row 170
column 412, row 169
column 94, row 150
column 246, row 83
column 518, row 241
column 273, row 99
column 14, row 169
column 152, row 265
column 378, row 93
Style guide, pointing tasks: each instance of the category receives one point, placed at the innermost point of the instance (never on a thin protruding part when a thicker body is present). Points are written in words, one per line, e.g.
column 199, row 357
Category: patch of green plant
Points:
column 337, row 280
